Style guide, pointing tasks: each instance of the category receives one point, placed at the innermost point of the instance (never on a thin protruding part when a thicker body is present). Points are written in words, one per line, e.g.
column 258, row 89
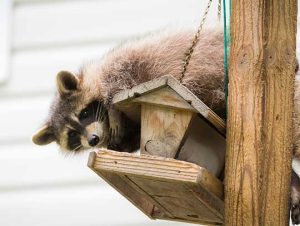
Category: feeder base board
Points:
column 162, row 188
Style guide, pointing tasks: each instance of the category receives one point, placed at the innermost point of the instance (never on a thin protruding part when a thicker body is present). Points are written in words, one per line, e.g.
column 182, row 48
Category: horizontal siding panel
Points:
column 85, row 206
column 33, row 167
column 35, row 71
column 5, row 38
column 20, row 117
column 86, row 21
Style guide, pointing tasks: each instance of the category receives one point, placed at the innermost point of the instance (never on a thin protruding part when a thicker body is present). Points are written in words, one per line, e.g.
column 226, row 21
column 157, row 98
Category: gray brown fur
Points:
column 163, row 54
column 296, row 118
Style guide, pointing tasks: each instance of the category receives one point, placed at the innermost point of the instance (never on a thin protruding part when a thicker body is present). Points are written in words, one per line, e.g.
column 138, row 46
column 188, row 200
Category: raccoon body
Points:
column 81, row 114
column 82, row 117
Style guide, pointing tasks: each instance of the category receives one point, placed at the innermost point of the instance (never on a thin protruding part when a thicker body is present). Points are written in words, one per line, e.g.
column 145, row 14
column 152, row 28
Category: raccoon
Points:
column 82, row 116
column 78, row 122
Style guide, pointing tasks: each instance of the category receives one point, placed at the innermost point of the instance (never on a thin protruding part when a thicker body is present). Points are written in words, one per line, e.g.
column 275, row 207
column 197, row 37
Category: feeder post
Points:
column 259, row 126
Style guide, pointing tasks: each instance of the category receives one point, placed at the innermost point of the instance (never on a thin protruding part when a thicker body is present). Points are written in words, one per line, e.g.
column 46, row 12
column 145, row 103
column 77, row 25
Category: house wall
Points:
column 40, row 185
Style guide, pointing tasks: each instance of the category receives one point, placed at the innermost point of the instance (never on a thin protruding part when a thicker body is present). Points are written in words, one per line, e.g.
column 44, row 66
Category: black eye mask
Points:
column 94, row 111
column 73, row 140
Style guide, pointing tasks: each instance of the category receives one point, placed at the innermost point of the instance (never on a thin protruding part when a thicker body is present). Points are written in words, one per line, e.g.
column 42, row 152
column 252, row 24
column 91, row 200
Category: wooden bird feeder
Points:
column 175, row 126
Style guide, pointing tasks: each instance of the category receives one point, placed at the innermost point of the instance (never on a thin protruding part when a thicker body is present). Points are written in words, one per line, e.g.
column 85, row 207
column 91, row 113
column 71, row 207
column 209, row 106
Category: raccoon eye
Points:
column 72, row 133
column 84, row 114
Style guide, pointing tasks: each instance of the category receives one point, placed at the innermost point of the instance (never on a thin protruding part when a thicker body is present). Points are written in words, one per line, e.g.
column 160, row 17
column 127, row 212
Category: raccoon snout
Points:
column 93, row 140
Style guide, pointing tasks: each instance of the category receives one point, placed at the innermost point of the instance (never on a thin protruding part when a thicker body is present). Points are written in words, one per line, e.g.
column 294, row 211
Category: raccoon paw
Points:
column 295, row 214
column 116, row 134
column 295, row 199
column 116, row 130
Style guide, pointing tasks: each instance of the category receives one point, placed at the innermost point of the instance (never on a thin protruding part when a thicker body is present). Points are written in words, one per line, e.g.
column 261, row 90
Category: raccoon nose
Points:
column 93, row 140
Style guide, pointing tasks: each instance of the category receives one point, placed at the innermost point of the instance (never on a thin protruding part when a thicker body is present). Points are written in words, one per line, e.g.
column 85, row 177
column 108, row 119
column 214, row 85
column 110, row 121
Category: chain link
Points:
column 219, row 10
column 190, row 51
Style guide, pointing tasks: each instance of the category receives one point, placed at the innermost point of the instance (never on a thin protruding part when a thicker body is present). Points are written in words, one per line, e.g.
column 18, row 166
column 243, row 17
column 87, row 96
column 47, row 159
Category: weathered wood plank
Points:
column 147, row 165
column 204, row 146
column 123, row 186
column 165, row 97
column 259, row 150
column 163, row 130
column 180, row 200
column 179, row 190
column 124, row 100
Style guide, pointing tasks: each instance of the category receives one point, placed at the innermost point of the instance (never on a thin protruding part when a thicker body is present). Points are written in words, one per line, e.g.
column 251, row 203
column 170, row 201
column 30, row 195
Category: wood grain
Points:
column 122, row 185
column 165, row 97
column 163, row 129
column 165, row 188
column 262, row 65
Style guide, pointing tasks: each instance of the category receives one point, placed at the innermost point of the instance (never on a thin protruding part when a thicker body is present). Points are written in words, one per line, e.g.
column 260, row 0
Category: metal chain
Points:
column 190, row 51
column 219, row 10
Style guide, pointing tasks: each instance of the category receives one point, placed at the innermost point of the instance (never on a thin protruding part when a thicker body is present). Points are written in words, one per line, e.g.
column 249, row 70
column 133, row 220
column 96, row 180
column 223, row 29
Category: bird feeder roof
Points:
column 168, row 92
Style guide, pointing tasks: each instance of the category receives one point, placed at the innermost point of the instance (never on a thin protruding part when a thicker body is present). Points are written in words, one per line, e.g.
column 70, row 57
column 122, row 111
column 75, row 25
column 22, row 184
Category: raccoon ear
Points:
column 43, row 136
column 66, row 82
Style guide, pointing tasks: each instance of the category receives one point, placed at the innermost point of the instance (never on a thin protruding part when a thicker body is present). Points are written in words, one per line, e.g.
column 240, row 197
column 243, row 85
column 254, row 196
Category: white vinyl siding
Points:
column 40, row 185
column 5, row 38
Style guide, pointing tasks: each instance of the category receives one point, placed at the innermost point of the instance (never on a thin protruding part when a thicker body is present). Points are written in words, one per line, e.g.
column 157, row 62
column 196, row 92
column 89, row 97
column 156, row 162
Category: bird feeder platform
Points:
column 162, row 188
column 175, row 126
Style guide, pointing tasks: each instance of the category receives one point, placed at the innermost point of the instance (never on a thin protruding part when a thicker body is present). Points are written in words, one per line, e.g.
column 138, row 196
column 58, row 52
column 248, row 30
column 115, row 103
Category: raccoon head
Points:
column 78, row 119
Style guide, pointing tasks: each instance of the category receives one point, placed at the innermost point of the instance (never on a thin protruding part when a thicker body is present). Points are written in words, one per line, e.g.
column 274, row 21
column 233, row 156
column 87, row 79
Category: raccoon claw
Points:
column 114, row 134
column 116, row 131
column 117, row 135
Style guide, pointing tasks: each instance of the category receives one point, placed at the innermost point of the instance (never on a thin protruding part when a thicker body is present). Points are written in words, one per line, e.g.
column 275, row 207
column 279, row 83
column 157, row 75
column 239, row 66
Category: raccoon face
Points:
column 87, row 129
column 78, row 120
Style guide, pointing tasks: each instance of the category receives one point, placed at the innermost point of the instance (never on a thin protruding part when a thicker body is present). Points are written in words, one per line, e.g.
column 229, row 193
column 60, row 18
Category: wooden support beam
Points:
column 259, row 132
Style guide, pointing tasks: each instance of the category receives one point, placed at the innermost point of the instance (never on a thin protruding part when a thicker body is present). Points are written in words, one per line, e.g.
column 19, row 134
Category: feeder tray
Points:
column 174, row 124
column 162, row 188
